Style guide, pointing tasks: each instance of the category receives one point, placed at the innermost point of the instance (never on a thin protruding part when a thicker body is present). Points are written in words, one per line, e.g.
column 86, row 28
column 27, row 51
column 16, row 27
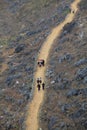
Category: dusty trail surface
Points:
column 32, row 117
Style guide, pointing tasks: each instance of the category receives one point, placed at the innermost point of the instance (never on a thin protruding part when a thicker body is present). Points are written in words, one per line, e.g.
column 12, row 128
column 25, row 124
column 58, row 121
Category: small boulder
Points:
column 73, row 92
column 19, row 48
column 81, row 73
column 81, row 62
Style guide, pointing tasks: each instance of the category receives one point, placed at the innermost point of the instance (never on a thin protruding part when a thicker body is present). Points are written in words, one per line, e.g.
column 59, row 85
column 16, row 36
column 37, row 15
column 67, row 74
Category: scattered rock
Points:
column 52, row 82
column 52, row 122
column 17, row 82
column 12, row 70
column 84, row 123
column 58, row 49
column 8, row 126
column 81, row 62
column 1, row 46
column 30, row 33
column 73, row 92
column 65, row 83
column 65, row 57
column 84, row 105
column 65, row 107
column 29, row 69
column 20, row 102
column 81, row 73
column 76, row 92
column 19, row 48
column 10, row 78
column 85, row 80
column 77, row 114
column 62, row 124
column 49, row 73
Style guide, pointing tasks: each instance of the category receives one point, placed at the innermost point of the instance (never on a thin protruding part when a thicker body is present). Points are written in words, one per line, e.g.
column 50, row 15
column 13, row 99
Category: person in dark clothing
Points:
column 38, row 86
column 40, row 81
column 43, row 85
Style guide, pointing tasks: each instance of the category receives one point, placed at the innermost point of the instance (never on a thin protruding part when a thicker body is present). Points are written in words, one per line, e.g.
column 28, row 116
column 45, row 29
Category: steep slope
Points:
column 24, row 26
column 40, row 72
column 66, row 95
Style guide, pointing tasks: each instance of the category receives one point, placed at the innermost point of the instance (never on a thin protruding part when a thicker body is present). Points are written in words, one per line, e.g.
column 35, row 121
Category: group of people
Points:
column 41, row 62
column 40, row 84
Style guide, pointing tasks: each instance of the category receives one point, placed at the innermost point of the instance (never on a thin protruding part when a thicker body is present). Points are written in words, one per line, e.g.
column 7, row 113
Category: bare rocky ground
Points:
column 24, row 26
column 65, row 105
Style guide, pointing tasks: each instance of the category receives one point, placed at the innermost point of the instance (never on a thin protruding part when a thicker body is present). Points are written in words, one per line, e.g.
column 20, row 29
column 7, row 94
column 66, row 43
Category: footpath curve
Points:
column 33, row 110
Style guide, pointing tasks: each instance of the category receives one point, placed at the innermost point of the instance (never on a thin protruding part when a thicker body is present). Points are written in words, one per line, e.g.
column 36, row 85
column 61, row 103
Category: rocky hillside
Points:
column 24, row 26
column 65, row 105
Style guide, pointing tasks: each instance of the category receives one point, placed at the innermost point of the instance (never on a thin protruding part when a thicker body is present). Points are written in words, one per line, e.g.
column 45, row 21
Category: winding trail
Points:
column 33, row 110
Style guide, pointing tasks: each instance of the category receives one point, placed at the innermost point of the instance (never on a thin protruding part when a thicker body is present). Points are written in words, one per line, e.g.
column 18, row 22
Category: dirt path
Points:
column 32, row 117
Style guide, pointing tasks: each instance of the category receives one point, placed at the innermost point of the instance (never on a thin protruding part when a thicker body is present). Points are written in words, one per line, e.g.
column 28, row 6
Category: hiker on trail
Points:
column 41, row 62
column 40, row 80
column 43, row 85
column 72, row 11
column 38, row 86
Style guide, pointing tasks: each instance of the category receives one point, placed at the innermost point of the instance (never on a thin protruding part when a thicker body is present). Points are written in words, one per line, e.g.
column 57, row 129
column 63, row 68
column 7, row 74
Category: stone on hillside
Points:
column 81, row 62
column 52, row 82
column 49, row 73
column 65, row 83
column 84, row 105
column 73, row 92
column 65, row 57
column 8, row 125
column 58, row 49
column 84, row 123
column 62, row 124
column 40, row 129
column 65, row 107
column 20, row 102
column 79, row 113
column 81, row 74
column 85, row 80
column 76, row 92
column 29, row 69
column 9, row 98
column 30, row 33
column 52, row 122
column 12, row 70
column 17, row 82
column 19, row 48
column 1, row 46
column 11, row 78
column 83, row 91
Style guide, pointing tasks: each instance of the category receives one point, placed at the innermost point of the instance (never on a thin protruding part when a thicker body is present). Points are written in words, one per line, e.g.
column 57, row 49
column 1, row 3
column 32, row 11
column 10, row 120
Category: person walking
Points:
column 40, row 80
column 37, row 80
column 43, row 85
column 38, row 86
